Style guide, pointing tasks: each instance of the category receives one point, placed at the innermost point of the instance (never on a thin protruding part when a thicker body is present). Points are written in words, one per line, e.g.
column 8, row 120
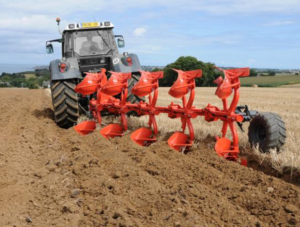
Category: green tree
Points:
column 3, row 85
column 190, row 63
column 272, row 73
column 253, row 73
column 32, row 83
column 156, row 69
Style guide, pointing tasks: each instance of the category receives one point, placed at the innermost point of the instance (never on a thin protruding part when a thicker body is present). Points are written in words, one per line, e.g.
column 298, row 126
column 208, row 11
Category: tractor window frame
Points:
column 69, row 50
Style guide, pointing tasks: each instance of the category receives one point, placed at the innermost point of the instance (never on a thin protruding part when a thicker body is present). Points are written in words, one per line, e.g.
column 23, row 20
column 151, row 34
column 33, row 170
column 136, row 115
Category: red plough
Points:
column 106, row 91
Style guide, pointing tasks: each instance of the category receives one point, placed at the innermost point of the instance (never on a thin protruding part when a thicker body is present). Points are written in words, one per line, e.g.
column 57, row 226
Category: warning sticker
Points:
column 116, row 61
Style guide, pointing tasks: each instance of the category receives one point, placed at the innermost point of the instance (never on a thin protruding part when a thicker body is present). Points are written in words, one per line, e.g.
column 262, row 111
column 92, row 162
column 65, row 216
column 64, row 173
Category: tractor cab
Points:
column 86, row 47
column 92, row 44
column 88, row 39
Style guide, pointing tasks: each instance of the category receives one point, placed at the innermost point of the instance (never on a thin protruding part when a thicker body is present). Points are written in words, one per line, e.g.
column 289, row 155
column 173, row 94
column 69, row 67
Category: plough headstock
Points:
column 148, row 86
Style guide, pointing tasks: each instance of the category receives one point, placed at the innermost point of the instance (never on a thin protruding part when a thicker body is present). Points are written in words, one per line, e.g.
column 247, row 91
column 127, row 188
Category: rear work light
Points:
column 63, row 67
column 129, row 60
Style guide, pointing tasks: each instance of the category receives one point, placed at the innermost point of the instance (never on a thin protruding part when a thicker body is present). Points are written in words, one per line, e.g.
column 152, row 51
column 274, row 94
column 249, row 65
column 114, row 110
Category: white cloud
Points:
column 280, row 23
column 27, row 23
column 139, row 31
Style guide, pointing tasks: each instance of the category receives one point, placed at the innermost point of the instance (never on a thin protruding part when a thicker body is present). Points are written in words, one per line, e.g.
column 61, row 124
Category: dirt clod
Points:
column 177, row 224
column 28, row 219
column 75, row 192
column 117, row 175
column 291, row 208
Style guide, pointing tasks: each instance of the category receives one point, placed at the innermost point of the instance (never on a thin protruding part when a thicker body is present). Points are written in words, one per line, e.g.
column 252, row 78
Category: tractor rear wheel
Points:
column 267, row 130
column 131, row 97
column 131, row 82
column 65, row 103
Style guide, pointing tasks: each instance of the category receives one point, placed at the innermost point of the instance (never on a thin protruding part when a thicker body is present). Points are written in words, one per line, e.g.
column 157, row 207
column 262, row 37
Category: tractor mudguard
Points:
column 72, row 71
column 120, row 64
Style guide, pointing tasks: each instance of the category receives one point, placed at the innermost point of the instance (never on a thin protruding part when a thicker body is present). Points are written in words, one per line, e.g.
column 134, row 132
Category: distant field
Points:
column 27, row 76
column 270, row 81
column 292, row 85
column 284, row 74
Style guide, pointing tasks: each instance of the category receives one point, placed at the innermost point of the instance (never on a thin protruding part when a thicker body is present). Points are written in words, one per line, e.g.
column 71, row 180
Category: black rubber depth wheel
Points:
column 268, row 131
column 65, row 102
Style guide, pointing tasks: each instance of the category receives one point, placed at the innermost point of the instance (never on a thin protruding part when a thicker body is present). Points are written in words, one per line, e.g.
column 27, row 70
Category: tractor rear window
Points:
column 91, row 43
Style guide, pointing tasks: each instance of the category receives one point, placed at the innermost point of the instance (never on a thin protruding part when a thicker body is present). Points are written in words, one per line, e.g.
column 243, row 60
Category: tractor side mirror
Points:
column 121, row 43
column 49, row 48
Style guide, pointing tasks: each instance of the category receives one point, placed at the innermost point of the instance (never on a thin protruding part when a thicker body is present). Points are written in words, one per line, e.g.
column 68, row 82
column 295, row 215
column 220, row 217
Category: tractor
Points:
column 86, row 47
column 95, row 79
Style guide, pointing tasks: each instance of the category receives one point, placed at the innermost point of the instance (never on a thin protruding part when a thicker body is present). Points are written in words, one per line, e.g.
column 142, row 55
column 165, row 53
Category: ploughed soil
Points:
column 55, row 177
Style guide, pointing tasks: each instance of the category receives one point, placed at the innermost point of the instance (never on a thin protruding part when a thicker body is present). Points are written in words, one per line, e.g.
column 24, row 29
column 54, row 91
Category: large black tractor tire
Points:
column 131, row 97
column 267, row 130
column 65, row 103
column 131, row 82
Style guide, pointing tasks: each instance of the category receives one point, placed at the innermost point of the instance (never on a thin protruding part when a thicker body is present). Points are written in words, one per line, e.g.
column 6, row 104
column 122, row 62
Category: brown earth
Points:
column 55, row 177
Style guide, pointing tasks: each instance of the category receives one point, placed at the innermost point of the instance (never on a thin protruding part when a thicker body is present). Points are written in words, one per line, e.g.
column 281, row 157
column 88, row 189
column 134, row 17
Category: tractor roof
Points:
column 88, row 25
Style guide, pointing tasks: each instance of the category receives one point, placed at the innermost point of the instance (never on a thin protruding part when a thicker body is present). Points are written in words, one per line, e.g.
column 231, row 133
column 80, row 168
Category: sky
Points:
column 237, row 33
